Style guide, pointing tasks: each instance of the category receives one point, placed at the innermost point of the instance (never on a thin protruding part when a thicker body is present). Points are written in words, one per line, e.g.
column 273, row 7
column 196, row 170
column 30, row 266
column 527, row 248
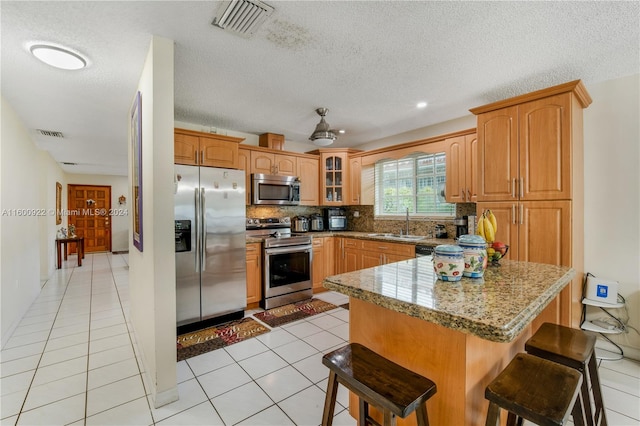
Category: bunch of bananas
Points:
column 488, row 226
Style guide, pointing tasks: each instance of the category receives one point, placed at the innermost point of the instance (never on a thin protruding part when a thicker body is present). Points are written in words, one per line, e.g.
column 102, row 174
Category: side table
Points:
column 64, row 241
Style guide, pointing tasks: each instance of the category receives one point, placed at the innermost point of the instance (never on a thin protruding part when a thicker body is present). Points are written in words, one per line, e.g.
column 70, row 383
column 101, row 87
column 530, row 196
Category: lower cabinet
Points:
column 360, row 254
column 254, row 274
column 323, row 262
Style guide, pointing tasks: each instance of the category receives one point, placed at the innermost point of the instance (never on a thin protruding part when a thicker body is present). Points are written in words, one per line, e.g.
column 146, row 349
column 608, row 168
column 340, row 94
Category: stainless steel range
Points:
column 287, row 261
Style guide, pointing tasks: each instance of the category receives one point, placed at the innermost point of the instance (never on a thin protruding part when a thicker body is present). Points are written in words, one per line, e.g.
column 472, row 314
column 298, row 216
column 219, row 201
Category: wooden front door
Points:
column 89, row 207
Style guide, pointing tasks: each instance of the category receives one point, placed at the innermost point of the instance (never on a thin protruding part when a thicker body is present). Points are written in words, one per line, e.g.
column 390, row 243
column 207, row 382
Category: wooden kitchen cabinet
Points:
column 271, row 141
column 244, row 163
column 308, row 172
column 254, row 274
column 462, row 169
column 531, row 175
column 334, row 181
column 204, row 149
column 319, row 263
column 269, row 163
column 355, row 180
column 360, row 254
column 525, row 151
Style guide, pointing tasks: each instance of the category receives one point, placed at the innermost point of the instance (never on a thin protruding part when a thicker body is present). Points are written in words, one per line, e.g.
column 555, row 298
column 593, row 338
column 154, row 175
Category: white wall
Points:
column 152, row 271
column 612, row 193
column 50, row 173
column 23, row 241
column 119, row 186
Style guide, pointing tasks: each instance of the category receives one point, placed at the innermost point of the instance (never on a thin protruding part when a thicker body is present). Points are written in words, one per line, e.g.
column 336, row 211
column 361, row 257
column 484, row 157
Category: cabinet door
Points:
column 334, row 179
column 355, row 178
column 545, row 149
column 393, row 257
column 262, row 162
column 218, row 153
column 308, row 172
column 244, row 163
column 318, row 265
column 185, row 149
column 254, row 273
column 369, row 259
column 456, row 186
column 351, row 260
column 498, row 154
column 506, row 214
column 471, row 167
column 285, row 165
column 545, row 232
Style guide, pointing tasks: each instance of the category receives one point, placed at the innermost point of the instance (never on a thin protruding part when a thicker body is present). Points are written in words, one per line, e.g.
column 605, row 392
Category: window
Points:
column 416, row 183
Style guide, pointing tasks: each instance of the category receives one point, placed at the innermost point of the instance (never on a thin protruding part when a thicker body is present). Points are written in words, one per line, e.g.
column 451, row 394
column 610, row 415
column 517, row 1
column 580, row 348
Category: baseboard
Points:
column 120, row 252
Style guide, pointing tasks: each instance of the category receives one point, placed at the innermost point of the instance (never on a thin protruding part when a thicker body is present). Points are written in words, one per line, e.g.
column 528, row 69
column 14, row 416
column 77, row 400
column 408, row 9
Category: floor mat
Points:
column 294, row 311
column 219, row 336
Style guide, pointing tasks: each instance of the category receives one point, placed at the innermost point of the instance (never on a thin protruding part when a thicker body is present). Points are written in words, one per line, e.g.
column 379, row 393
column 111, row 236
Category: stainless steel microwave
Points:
column 275, row 190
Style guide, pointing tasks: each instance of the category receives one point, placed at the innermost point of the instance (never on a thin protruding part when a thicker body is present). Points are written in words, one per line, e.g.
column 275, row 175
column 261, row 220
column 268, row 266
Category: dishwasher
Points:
column 423, row 250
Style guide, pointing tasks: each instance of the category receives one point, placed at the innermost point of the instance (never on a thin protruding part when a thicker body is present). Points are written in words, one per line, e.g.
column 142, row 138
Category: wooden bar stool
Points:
column 535, row 389
column 576, row 349
column 391, row 388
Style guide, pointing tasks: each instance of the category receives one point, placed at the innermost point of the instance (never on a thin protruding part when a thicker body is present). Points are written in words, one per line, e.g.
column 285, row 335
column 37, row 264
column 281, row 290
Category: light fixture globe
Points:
column 58, row 56
column 322, row 135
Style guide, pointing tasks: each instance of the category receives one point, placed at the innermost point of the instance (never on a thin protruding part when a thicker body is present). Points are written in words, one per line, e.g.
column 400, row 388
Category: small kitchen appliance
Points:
column 441, row 231
column 335, row 219
column 316, row 222
column 461, row 226
column 300, row 224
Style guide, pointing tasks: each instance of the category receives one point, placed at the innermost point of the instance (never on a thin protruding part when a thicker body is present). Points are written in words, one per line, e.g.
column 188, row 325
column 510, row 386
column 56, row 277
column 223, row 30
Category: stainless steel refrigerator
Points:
column 210, row 244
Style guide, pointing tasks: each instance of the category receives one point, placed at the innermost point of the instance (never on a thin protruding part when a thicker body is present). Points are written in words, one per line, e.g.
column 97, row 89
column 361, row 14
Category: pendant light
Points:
column 323, row 135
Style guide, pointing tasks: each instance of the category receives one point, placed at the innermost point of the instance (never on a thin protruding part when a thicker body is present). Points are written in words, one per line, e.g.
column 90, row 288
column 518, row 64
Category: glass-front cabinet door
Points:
column 335, row 179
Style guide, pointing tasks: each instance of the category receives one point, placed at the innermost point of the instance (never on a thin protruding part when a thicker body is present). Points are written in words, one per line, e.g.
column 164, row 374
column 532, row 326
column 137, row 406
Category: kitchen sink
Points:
column 399, row 237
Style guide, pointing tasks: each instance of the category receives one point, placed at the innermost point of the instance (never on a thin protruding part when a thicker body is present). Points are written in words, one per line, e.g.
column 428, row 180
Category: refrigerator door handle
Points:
column 203, row 219
column 196, row 202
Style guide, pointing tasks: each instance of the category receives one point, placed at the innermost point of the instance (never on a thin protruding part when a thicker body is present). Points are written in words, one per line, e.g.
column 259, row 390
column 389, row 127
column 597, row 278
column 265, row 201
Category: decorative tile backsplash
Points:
column 365, row 221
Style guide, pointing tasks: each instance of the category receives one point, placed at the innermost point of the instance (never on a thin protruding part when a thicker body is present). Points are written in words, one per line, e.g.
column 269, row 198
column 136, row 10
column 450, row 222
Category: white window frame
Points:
column 438, row 182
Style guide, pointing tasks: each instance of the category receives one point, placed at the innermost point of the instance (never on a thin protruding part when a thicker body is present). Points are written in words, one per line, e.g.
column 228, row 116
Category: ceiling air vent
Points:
column 243, row 17
column 50, row 133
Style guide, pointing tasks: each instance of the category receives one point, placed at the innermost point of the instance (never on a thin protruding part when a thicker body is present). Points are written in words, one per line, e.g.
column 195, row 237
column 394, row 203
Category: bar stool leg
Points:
column 423, row 417
column 389, row 419
column 330, row 399
column 493, row 415
column 597, row 392
column 363, row 412
column 578, row 413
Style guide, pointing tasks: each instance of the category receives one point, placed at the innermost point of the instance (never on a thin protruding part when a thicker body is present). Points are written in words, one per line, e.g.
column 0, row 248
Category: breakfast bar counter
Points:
column 458, row 334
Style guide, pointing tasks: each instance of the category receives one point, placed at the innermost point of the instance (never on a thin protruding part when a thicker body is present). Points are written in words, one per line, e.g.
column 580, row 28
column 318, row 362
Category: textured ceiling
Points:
column 368, row 62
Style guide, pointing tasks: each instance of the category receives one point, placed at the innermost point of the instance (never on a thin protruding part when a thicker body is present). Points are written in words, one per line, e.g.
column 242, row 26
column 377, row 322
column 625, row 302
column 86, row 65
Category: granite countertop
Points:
column 496, row 307
column 369, row 236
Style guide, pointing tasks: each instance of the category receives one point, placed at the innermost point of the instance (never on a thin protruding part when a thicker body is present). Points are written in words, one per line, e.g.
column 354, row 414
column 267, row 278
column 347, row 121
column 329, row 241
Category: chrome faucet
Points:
column 407, row 232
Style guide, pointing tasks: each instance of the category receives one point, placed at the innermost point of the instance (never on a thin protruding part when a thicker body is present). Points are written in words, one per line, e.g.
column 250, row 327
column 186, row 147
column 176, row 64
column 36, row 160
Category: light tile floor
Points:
column 72, row 360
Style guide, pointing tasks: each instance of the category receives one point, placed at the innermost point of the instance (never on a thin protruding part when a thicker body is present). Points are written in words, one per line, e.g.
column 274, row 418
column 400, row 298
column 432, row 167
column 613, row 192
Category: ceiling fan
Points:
column 323, row 135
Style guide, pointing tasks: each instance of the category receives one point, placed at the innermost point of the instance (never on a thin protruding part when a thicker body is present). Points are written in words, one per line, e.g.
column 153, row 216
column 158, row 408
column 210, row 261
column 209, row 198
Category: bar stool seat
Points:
column 391, row 388
column 576, row 349
column 535, row 389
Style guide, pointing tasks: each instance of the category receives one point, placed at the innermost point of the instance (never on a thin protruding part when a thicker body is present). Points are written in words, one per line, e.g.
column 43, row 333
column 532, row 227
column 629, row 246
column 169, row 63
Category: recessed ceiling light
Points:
column 342, row 131
column 58, row 57
column 421, row 105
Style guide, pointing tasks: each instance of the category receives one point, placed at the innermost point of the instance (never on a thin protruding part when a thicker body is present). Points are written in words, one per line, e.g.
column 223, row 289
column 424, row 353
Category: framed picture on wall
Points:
column 58, row 203
column 136, row 170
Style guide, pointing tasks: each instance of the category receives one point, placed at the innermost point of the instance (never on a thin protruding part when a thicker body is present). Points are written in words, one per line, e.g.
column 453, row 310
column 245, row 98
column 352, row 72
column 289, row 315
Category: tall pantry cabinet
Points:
column 530, row 164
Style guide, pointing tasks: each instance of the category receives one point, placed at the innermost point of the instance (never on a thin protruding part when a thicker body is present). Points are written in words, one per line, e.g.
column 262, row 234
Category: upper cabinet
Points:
column 203, row 149
column 462, row 169
column 244, row 163
column 271, row 141
column 308, row 172
column 526, row 149
column 355, row 179
column 270, row 163
column 335, row 176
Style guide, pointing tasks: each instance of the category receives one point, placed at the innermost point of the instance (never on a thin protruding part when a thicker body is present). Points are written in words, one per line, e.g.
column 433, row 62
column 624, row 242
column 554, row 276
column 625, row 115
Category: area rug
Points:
column 294, row 311
column 345, row 306
column 209, row 339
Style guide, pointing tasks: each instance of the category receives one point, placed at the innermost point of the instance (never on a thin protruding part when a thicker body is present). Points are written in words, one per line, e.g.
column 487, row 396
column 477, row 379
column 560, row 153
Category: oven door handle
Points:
column 289, row 249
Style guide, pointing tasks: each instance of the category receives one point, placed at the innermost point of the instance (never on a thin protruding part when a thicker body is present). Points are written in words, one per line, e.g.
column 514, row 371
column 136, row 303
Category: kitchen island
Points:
column 458, row 334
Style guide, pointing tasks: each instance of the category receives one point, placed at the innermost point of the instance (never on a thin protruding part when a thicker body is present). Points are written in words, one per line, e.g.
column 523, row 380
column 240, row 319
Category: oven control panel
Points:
column 269, row 222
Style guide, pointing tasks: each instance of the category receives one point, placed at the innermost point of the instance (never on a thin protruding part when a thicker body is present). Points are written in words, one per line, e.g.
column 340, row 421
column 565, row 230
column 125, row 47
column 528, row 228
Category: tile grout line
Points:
column 24, row 401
